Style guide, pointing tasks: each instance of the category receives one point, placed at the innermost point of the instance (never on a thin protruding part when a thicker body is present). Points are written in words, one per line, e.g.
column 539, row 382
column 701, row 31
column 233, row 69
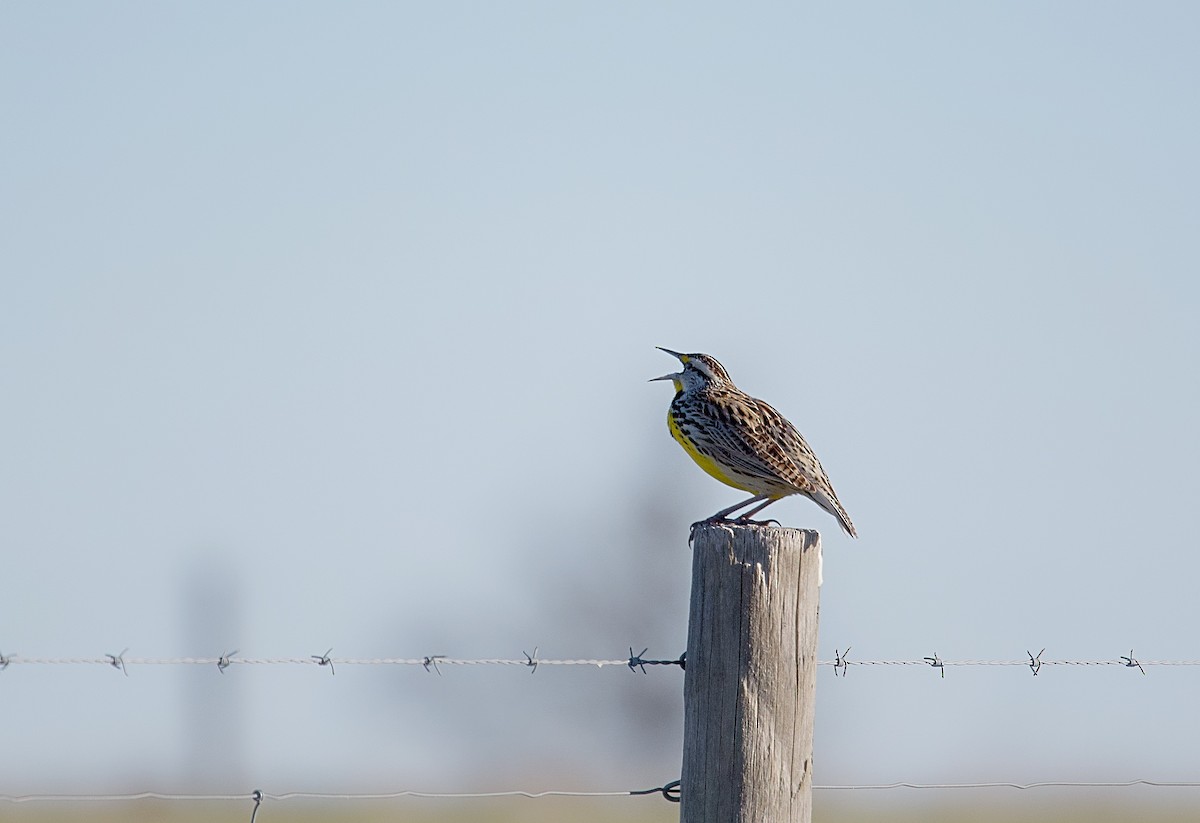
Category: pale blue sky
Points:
column 351, row 308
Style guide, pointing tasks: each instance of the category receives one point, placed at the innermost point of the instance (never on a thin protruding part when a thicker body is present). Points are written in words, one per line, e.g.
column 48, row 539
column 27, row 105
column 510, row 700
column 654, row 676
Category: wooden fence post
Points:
column 751, row 675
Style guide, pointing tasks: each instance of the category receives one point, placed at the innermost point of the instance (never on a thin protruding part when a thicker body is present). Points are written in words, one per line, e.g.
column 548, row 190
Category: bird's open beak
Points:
column 676, row 375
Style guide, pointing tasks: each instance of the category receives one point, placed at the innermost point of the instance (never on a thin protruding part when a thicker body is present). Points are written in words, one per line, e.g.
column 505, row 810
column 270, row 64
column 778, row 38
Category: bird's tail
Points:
column 827, row 500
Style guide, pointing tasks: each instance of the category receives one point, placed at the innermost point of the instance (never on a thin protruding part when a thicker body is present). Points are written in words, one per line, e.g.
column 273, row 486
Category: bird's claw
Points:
column 737, row 521
column 746, row 521
column 706, row 521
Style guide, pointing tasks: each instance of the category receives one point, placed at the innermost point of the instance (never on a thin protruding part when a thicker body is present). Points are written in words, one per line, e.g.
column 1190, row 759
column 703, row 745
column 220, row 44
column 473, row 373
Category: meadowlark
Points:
column 743, row 442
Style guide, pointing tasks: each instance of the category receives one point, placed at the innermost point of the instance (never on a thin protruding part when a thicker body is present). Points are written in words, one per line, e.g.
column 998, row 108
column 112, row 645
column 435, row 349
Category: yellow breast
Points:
column 702, row 460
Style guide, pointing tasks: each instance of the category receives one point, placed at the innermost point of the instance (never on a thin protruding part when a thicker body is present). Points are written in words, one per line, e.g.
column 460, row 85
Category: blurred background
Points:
column 328, row 326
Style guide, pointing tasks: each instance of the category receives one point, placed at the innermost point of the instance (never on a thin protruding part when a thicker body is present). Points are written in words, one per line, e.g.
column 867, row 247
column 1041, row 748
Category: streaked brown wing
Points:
column 800, row 464
column 750, row 443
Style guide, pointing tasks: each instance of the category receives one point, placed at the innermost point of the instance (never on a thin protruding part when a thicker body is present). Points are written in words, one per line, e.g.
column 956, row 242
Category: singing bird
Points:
column 744, row 442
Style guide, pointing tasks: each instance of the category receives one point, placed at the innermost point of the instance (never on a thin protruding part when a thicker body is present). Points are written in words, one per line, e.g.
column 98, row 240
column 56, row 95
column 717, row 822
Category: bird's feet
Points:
column 746, row 521
column 737, row 521
column 706, row 521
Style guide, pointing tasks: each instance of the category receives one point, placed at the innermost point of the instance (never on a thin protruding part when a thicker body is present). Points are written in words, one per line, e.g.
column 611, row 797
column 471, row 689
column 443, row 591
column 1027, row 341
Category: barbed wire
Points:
column 669, row 791
column 430, row 663
column 634, row 662
column 1033, row 662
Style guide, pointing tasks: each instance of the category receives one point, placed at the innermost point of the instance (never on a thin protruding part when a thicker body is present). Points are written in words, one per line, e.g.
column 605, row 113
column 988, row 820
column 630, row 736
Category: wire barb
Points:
column 637, row 661
column 324, row 660
column 531, row 660
column 1035, row 663
column 841, row 662
column 225, row 660
column 4, row 661
column 1130, row 662
column 936, row 662
column 432, row 660
column 117, row 661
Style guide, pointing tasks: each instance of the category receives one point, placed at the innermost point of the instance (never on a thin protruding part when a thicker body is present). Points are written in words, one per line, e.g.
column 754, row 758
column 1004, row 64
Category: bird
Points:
column 744, row 442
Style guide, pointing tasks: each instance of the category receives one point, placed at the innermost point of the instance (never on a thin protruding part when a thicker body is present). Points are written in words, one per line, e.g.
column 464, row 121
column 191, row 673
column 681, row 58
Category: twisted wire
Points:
column 665, row 790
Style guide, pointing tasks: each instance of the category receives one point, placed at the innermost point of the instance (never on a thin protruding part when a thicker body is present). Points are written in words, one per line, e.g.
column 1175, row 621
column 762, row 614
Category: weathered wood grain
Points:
column 751, row 675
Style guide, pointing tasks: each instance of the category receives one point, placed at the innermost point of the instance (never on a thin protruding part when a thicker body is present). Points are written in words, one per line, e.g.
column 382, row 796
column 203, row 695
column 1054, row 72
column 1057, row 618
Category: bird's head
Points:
column 699, row 370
